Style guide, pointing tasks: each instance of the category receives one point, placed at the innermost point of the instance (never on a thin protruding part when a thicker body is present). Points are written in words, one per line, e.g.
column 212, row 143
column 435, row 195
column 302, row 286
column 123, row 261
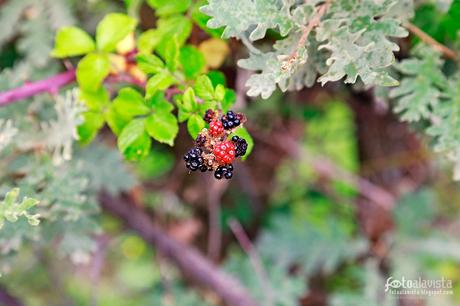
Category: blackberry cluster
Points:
column 224, row 172
column 241, row 146
column 194, row 161
column 230, row 120
column 214, row 149
column 209, row 115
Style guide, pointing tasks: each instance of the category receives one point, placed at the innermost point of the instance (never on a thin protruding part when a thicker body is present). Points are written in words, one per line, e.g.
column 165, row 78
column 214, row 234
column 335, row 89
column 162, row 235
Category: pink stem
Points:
column 51, row 84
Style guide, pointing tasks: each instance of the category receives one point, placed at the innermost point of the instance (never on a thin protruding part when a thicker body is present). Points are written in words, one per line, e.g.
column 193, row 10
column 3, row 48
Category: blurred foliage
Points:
column 307, row 231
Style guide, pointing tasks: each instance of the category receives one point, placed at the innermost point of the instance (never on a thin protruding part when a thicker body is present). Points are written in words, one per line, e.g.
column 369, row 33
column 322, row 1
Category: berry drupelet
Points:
column 194, row 161
column 209, row 115
column 241, row 146
column 200, row 140
column 224, row 172
column 230, row 120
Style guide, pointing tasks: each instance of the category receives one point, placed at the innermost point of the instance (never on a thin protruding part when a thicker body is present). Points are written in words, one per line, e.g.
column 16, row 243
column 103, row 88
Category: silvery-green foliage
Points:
column 285, row 289
column 7, row 132
column 427, row 95
column 421, row 89
column 322, row 250
column 10, row 15
column 60, row 134
column 105, row 169
column 11, row 210
column 352, row 40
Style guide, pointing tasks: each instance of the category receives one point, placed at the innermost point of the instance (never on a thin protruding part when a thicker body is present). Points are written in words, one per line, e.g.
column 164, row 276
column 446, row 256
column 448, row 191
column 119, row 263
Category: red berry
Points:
column 224, row 152
column 216, row 128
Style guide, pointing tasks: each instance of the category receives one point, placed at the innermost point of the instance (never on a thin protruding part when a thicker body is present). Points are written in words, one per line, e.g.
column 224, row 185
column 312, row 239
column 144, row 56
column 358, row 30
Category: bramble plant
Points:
column 138, row 99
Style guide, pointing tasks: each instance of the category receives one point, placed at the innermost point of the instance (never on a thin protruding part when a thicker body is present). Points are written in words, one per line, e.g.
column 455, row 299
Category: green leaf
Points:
column 219, row 92
column 92, row 70
column 168, row 27
column 159, row 81
column 159, row 104
column 95, row 101
column 201, row 20
column 148, row 41
column 93, row 122
column 168, row 7
column 112, row 29
column 243, row 133
column 216, row 77
column 229, row 100
column 192, row 61
column 163, row 127
column 72, row 41
column 149, row 63
column 194, row 125
column 188, row 100
column 115, row 121
column 203, row 88
column 133, row 141
column 183, row 114
column 171, row 55
column 130, row 103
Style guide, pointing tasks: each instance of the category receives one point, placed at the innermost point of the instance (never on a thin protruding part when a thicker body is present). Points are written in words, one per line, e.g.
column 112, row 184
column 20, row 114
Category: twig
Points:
column 314, row 22
column 328, row 169
column 186, row 258
column 256, row 261
column 7, row 299
column 449, row 53
column 215, row 191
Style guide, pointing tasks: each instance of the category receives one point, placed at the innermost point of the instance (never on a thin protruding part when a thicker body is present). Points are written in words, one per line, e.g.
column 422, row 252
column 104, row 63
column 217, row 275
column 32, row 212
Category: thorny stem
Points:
column 449, row 53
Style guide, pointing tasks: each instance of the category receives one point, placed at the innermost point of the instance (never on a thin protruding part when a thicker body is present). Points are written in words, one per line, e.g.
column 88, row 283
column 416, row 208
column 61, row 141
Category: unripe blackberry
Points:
column 216, row 128
column 224, row 152
column 230, row 120
column 209, row 115
column 193, row 159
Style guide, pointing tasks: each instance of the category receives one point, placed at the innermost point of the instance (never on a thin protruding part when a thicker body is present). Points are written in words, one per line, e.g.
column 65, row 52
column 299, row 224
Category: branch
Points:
column 187, row 259
column 254, row 257
column 328, row 169
column 51, row 84
column 7, row 299
column 449, row 53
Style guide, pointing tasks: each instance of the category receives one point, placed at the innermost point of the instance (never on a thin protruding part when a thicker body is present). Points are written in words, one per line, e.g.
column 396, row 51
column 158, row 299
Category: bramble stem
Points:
column 449, row 53
column 51, row 84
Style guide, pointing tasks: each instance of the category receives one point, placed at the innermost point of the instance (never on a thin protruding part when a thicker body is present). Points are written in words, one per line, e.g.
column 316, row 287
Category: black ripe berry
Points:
column 209, row 115
column 230, row 120
column 224, row 171
column 200, row 140
column 193, row 159
column 240, row 146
